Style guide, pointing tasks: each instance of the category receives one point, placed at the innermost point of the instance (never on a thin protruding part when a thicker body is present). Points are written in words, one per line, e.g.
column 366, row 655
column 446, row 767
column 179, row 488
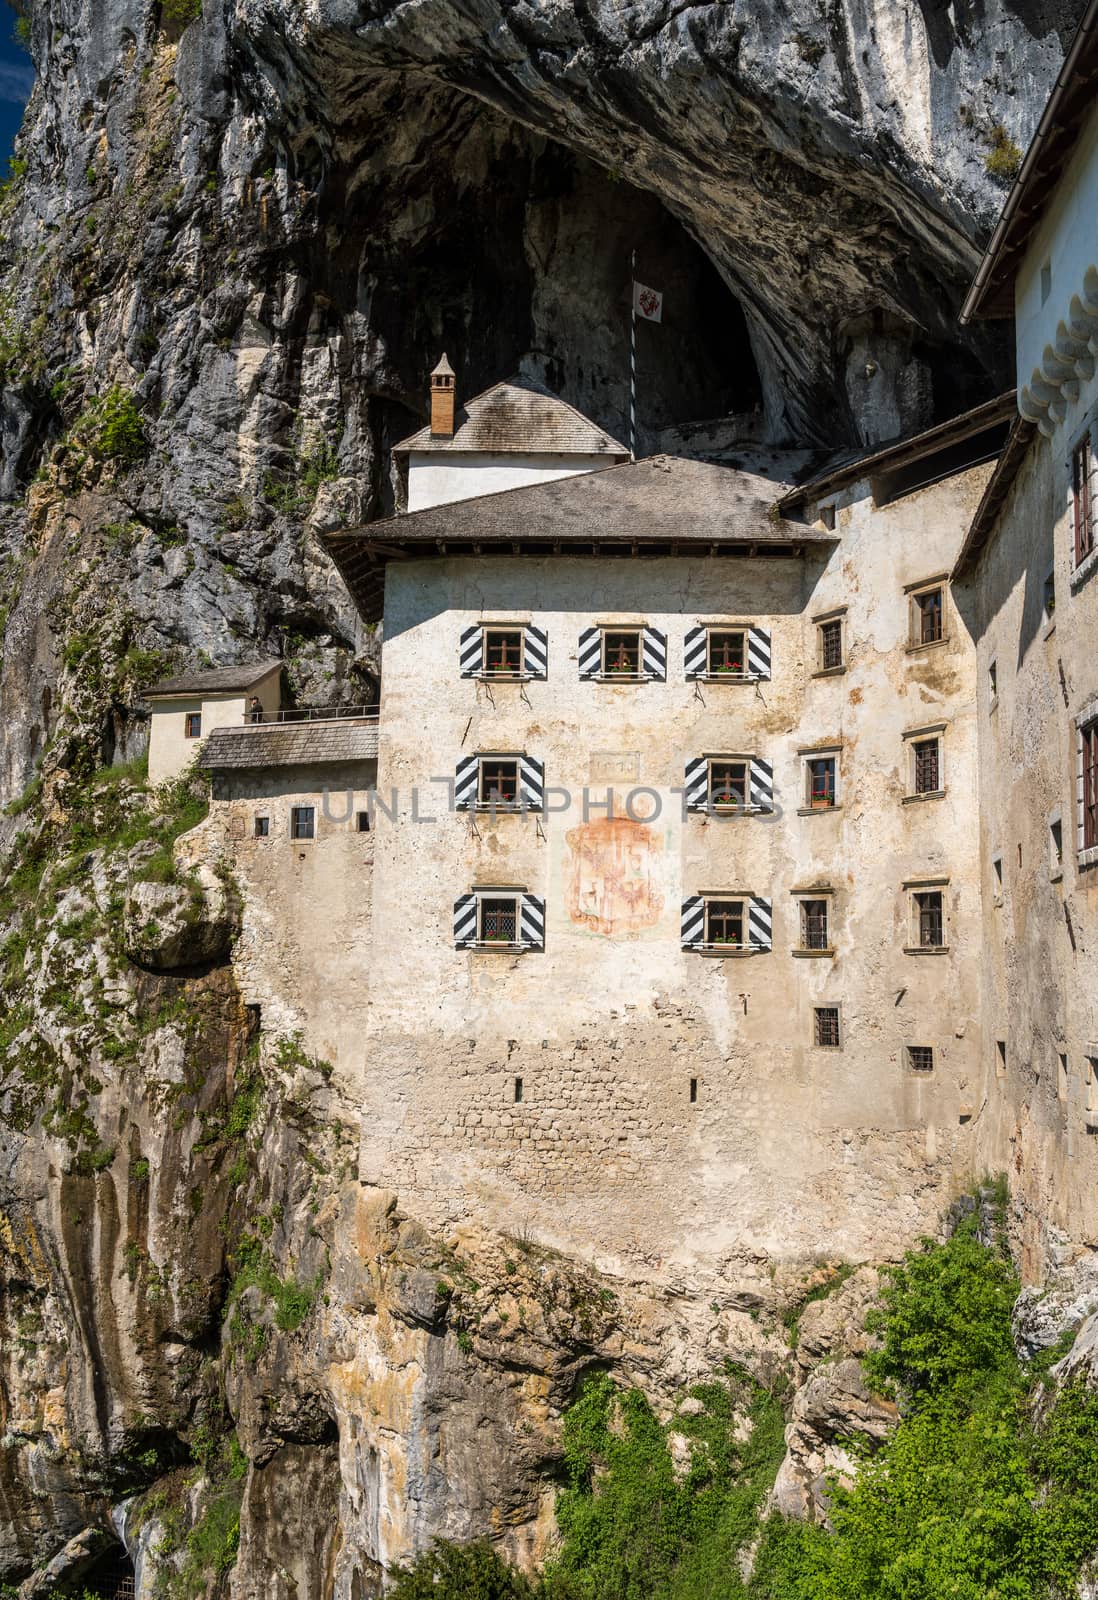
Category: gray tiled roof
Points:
column 289, row 745
column 214, row 680
column 519, row 415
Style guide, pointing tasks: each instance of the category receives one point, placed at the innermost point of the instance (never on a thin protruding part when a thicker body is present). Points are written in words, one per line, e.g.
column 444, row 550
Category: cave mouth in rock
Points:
column 112, row 1577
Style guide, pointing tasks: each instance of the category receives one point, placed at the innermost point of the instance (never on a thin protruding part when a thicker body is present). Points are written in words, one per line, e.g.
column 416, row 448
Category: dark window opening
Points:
column 503, row 651
column 827, row 517
column 821, row 782
column 928, row 775
column 193, row 727
column 724, row 922
column 499, row 782
column 1090, row 785
column 728, row 783
column 814, row 925
column 928, row 616
column 992, row 681
column 518, row 1090
column 831, row 645
column 498, row 921
column 826, row 1027
column 303, row 822
column 1082, row 497
column 920, row 1057
column 621, row 654
column 1000, row 1057
column 1056, row 837
column 1050, row 596
column 261, row 828
column 928, row 919
column 693, row 1091
column 362, row 822
column 726, row 654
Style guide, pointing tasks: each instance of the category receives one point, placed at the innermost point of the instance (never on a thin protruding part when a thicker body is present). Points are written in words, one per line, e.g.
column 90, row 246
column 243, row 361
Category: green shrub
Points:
column 460, row 1572
column 1004, row 158
column 113, row 429
column 180, row 12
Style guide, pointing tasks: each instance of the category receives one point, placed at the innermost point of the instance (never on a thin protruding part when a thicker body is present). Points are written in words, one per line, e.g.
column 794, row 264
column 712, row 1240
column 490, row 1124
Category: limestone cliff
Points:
column 236, row 237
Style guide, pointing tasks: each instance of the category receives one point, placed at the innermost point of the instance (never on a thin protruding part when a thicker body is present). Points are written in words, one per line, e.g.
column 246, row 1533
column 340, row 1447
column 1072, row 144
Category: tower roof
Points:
column 518, row 415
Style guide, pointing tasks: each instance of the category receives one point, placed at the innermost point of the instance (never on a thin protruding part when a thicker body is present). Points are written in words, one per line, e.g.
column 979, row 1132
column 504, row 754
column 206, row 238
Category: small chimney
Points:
column 442, row 401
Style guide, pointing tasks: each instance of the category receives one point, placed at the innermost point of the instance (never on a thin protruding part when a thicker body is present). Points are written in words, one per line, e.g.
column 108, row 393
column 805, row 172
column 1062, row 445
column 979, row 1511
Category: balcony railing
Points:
column 297, row 714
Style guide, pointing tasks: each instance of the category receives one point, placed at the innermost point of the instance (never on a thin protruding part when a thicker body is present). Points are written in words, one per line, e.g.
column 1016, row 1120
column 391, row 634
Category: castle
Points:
column 714, row 880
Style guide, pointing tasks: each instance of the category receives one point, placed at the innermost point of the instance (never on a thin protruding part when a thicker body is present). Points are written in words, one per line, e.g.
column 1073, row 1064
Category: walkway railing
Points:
column 295, row 714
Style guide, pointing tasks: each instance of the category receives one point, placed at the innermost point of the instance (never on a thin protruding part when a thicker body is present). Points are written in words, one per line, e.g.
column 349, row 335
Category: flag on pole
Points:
column 647, row 303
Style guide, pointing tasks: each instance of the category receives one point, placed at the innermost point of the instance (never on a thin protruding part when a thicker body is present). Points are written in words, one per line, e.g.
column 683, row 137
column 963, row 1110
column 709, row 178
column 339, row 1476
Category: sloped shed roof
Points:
column 215, row 680
column 519, row 414
column 288, row 744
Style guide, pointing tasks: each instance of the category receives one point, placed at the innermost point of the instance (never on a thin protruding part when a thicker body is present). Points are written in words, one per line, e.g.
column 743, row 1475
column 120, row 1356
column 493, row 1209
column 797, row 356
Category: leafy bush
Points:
column 180, row 12
column 113, row 429
column 1004, row 157
column 461, row 1572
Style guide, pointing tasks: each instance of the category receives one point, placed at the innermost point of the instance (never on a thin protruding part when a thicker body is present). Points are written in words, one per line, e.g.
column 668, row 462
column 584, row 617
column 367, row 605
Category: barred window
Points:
column 928, row 766
column 826, row 1027
column 831, row 644
column 499, row 782
column 928, row 919
column 920, row 1057
column 1082, row 496
column 498, row 920
column 814, row 930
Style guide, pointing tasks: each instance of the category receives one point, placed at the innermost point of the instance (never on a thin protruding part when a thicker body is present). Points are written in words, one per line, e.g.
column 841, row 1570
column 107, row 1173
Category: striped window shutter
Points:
column 762, row 783
column 693, row 922
column 472, row 652
column 465, row 783
column 590, row 653
column 532, row 922
column 535, row 657
column 654, row 654
column 760, row 924
column 693, row 653
column 696, row 784
column 531, row 783
column 758, row 652
column 465, row 922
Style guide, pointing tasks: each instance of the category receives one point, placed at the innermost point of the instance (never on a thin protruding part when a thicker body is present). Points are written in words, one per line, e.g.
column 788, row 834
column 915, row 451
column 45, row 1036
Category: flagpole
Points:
column 633, row 356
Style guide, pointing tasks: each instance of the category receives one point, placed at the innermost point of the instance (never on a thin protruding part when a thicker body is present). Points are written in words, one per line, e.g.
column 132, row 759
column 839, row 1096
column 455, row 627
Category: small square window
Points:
column 261, row 828
column 303, row 822
column 831, row 644
column 825, row 1027
column 726, row 653
column 621, row 652
column 929, row 920
column 193, row 725
column 725, row 924
column 728, row 784
column 927, row 616
column 814, row 929
column 1000, row 1058
column 927, row 763
column 498, row 920
column 820, row 792
column 362, row 822
column 498, row 782
column 920, row 1057
column 502, row 652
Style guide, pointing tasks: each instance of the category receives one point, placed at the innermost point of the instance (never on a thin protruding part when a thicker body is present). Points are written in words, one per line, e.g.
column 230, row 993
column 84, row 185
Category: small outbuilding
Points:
column 185, row 710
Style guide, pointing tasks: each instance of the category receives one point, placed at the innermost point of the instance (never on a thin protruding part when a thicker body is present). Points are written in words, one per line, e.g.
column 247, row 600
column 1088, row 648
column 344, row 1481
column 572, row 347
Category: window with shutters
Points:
column 927, row 615
column 1082, row 499
column 1088, row 785
column 726, row 653
column 726, row 924
column 501, row 919
column 503, row 654
column 728, row 785
column 621, row 652
column 826, row 1031
column 497, row 781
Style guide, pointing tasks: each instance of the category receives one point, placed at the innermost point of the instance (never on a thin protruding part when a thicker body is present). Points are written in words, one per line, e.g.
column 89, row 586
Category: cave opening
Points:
column 112, row 1577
